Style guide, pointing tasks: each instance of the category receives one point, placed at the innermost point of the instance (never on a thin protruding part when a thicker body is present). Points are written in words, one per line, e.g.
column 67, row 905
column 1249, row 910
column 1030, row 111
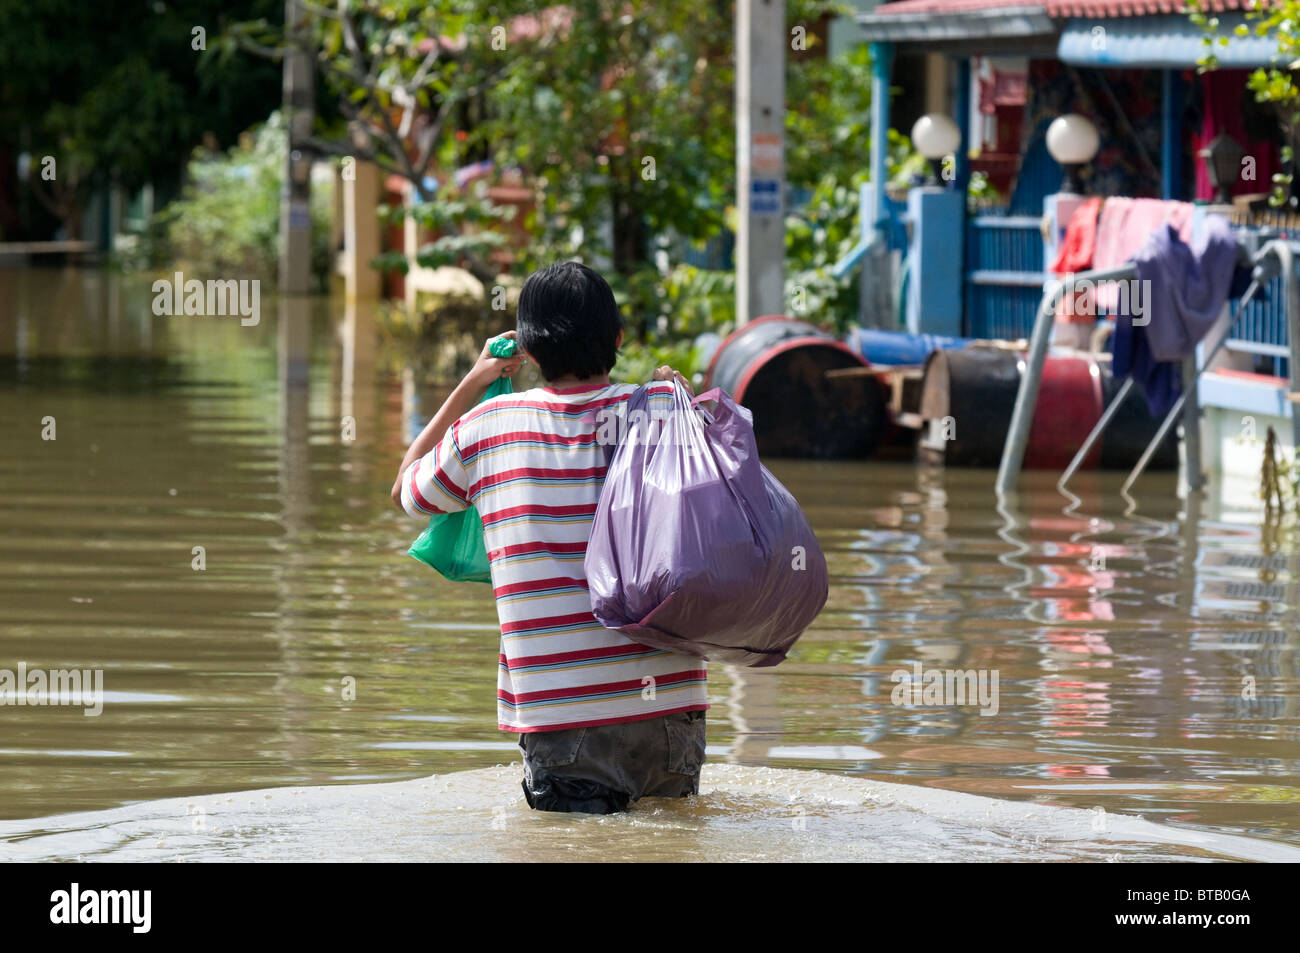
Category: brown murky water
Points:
column 1147, row 661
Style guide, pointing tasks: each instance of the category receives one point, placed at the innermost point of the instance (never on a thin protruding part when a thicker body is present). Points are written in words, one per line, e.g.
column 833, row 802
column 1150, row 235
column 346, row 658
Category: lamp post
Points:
column 1073, row 142
column 935, row 252
column 935, row 137
column 1223, row 165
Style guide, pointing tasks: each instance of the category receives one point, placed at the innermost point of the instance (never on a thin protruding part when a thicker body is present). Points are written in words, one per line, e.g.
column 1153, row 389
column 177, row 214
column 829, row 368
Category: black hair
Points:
column 568, row 321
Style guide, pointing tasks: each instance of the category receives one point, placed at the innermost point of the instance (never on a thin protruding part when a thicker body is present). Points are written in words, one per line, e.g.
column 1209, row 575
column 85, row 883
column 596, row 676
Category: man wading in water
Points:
column 602, row 720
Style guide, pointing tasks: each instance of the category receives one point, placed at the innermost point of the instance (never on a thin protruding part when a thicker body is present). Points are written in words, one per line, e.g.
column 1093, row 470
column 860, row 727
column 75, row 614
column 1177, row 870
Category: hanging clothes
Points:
column 1080, row 239
column 1180, row 293
column 1107, row 252
column 1076, row 256
column 1123, row 228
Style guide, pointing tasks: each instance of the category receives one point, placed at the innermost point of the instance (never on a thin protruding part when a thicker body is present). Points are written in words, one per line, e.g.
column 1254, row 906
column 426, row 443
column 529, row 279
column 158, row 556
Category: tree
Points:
column 1275, row 85
column 627, row 119
column 403, row 74
column 119, row 98
column 619, row 116
column 227, row 217
column 628, row 122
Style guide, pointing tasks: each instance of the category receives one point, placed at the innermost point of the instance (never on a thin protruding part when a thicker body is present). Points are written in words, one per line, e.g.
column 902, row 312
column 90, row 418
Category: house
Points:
column 1003, row 70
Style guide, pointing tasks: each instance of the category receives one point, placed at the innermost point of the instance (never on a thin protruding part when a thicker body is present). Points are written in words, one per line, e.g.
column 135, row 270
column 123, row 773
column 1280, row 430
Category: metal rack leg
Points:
column 1218, row 334
column 1149, row 452
column 1022, row 414
column 1115, row 404
column 1192, row 425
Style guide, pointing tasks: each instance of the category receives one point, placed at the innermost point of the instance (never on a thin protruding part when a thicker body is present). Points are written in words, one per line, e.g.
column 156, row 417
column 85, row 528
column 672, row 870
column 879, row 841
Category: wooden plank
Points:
column 854, row 372
column 881, row 370
column 39, row 248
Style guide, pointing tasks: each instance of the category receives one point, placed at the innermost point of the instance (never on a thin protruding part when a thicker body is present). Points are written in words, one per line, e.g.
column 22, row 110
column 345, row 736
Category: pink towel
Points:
column 1122, row 230
column 1110, row 232
column 1145, row 217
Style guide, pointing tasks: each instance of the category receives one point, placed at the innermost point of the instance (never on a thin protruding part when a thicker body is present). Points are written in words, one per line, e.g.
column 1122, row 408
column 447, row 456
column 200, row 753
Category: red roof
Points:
column 1097, row 9
column 947, row 6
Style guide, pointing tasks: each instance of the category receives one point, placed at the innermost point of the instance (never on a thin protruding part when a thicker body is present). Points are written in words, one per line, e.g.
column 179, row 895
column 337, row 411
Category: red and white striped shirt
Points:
column 532, row 465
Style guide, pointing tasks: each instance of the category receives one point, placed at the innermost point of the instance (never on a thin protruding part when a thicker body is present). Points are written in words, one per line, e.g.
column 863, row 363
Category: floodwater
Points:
column 311, row 692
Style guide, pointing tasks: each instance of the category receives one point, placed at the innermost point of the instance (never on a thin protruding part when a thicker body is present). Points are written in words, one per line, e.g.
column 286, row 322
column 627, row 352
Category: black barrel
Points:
column 778, row 369
column 1132, row 429
column 976, row 387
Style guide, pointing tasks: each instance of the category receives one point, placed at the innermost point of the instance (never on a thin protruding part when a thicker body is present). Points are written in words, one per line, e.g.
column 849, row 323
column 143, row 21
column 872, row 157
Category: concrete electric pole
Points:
column 295, row 194
column 761, row 41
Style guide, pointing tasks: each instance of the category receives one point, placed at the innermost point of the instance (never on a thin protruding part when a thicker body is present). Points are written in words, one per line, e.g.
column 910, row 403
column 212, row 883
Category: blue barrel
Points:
column 898, row 348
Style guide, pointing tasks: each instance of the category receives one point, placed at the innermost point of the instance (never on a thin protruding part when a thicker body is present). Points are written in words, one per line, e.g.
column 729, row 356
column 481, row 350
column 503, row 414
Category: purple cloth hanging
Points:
column 1182, row 290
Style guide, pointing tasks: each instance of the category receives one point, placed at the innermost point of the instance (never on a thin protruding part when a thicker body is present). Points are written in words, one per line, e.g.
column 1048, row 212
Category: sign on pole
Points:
column 760, row 158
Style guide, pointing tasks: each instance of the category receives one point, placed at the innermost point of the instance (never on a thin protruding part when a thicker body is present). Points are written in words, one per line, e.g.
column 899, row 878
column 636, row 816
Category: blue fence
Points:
column 1004, row 274
column 1261, row 328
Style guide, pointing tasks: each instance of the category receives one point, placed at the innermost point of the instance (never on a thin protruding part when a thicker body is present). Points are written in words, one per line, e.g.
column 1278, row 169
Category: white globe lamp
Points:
column 935, row 136
column 1073, row 142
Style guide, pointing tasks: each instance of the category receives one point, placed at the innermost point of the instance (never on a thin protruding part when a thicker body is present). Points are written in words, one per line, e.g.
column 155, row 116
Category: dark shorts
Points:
column 603, row 769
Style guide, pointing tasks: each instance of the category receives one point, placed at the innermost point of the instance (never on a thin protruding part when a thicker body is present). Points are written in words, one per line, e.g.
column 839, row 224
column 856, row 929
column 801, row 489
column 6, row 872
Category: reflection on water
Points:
column 1147, row 660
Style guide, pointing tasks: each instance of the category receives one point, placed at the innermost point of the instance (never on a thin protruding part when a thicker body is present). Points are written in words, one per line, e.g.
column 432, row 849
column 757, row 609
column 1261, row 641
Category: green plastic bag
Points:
column 452, row 543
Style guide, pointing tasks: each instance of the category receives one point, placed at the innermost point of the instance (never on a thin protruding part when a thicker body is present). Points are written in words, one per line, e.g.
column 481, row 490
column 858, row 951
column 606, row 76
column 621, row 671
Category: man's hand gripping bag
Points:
column 696, row 547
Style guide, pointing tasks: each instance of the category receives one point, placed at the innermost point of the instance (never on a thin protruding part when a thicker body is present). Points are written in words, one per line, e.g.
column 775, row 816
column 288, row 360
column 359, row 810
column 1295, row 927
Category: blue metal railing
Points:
column 1261, row 329
column 1004, row 274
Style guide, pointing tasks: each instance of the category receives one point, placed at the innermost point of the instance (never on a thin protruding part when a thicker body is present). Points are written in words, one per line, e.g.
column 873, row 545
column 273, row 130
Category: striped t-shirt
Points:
column 532, row 465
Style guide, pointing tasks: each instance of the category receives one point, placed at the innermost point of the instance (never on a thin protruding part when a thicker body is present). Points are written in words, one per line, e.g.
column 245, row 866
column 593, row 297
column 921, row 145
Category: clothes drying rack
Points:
column 1275, row 258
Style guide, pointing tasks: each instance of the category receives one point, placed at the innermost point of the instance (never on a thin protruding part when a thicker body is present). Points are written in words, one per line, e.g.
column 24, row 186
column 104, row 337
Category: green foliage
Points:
column 408, row 77
column 823, row 232
column 228, row 217
column 983, row 191
column 621, row 119
column 637, row 361
column 826, row 229
column 913, row 167
column 1274, row 85
column 818, row 234
column 628, row 124
column 1279, row 481
column 466, row 226
column 621, row 122
column 828, row 118
column 121, row 96
column 700, row 300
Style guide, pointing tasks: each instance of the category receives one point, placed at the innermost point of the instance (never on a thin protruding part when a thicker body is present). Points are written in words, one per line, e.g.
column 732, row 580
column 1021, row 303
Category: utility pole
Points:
column 761, row 41
column 295, row 194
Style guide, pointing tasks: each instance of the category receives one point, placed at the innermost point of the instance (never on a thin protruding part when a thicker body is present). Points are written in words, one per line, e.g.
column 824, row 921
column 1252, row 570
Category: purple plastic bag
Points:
column 696, row 547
